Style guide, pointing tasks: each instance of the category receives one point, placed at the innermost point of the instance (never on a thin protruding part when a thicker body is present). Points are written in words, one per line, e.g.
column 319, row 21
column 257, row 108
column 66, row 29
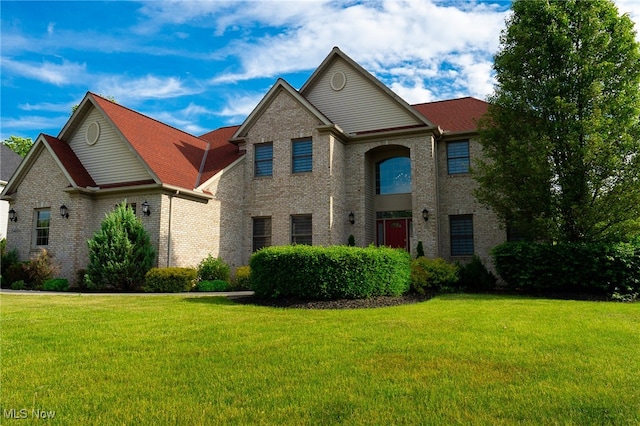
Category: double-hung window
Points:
column 301, row 231
column 263, row 160
column 458, row 157
column 261, row 232
column 301, row 156
column 43, row 220
column 461, row 227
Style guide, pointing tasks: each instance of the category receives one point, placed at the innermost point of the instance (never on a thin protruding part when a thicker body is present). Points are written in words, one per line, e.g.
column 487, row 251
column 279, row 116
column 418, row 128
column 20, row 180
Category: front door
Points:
column 395, row 233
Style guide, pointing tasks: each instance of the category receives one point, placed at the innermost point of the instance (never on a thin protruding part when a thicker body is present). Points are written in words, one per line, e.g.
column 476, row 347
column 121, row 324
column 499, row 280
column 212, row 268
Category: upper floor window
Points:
column 458, row 157
column 263, row 160
column 393, row 176
column 43, row 220
column 301, row 156
column 301, row 231
column 261, row 232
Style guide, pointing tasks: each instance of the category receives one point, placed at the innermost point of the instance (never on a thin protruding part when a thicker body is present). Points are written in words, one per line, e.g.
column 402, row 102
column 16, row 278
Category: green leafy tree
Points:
column 120, row 253
column 561, row 137
column 19, row 145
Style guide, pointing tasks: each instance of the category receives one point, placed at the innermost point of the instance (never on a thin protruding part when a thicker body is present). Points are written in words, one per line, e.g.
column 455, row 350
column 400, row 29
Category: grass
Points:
column 458, row 359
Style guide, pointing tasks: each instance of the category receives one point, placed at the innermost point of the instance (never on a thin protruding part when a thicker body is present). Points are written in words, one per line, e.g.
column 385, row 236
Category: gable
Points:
column 104, row 153
column 354, row 100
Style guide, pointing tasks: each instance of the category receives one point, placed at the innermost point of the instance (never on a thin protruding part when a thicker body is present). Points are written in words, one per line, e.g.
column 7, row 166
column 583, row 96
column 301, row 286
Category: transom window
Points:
column 261, row 232
column 263, row 160
column 393, row 176
column 43, row 220
column 302, row 156
column 301, row 230
column 458, row 157
column 461, row 227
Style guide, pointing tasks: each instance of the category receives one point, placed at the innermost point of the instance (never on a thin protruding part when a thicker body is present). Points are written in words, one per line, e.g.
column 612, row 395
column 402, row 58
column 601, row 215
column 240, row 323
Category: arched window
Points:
column 393, row 176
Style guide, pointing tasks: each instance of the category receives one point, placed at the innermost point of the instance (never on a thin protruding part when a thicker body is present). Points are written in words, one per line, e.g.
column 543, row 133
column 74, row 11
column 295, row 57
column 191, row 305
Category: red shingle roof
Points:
column 455, row 115
column 173, row 155
column 70, row 162
column 221, row 151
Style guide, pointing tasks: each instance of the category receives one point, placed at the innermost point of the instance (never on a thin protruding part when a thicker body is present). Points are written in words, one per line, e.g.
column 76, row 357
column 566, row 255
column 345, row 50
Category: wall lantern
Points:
column 425, row 214
column 64, row 211
column 145, row 208
column 352, row 218
column 12, row 216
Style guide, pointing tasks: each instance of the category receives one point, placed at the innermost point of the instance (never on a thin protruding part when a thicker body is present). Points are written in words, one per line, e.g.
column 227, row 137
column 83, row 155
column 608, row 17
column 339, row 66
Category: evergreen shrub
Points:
column 432, row 275
column 326, row 273
column 56, row 284
column 212, row 268
column 474, row 276
column 214, row 285
column 243, row 278
column 170, row 280
column 597, row 268
column 120, row 253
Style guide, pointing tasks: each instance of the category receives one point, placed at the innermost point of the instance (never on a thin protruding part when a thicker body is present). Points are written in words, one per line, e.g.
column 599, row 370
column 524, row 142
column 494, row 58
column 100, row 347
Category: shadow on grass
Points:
column 210, row 300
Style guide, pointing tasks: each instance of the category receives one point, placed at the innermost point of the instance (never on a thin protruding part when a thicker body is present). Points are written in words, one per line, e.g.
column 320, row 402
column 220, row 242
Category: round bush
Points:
column 212, row 268
column 215, row 285
column 243, row 278
column 432, row 275
column 170, row 280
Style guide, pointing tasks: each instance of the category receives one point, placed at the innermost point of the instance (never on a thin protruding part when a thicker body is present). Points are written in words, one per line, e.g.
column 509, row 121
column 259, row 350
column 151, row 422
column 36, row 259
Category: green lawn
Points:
column 460, row 359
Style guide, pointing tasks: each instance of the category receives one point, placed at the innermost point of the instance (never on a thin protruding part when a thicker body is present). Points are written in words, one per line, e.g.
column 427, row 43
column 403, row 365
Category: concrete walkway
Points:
column 75, row 293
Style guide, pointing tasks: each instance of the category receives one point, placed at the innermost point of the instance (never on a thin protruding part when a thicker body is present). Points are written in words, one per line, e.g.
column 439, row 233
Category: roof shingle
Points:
column 454, row 115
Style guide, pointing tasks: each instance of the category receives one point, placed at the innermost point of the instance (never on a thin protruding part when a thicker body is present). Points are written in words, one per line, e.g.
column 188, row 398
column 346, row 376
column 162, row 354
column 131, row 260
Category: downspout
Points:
column 437, row 180
column 169, row 226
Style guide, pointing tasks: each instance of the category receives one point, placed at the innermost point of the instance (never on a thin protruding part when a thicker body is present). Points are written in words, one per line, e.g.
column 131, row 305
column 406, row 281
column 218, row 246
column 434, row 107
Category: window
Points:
column 43, row 219
column 461, row 235
column 302, row 156
column 301, row 229
column 393, row 176
column 261, row 232
column 263, row 160
column 458, row 157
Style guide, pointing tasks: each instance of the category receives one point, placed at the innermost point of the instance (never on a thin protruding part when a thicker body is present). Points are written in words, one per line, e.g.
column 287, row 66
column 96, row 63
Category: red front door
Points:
column 396, row 233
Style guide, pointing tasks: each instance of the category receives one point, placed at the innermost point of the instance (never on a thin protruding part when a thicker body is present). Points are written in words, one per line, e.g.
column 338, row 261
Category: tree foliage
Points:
column 562, row 137
column 19, row 145
column 120, row 253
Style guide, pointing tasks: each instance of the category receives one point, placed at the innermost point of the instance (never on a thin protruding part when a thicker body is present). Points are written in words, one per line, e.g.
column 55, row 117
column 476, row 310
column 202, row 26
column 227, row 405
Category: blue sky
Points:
column 200, row 65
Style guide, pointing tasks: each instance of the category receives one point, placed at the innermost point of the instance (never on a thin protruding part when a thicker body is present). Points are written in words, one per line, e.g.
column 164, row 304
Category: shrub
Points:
column 56, row 284
column 420, row 250
column 18, row 285
column 15, row 272
column 325, row 273
column 215, row 285
column 7, row 259
column 474, row 276
column 597, row 268
column 40, row 268
column 212, row 268
column 170, row 280
column 432, row 275
column 243, row 278
column 120, row 253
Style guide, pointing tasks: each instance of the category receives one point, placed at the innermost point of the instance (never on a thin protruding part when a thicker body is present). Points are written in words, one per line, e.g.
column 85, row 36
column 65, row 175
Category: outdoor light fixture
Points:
column 145, row 208
column 12, row 216
column 64, row 211
column 425, row 214
column 352, row 218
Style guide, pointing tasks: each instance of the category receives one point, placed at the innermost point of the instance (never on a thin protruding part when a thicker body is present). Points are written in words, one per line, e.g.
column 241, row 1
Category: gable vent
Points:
column 338, row 80
column 93, row 132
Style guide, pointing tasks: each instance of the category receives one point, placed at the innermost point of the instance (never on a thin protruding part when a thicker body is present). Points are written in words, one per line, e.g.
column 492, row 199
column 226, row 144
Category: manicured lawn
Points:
column 452, row 360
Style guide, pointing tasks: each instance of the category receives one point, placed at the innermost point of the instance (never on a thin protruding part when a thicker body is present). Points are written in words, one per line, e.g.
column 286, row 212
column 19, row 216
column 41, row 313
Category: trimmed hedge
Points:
column 56, row 284
column 170, row 280
column 598, row 268
column 243, row 278
column 326, row 273
column 212, row 285
column 432, row 275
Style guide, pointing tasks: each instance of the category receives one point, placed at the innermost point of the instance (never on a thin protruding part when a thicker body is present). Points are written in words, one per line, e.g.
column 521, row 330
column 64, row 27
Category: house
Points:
column 342, row 156
column 9, row 162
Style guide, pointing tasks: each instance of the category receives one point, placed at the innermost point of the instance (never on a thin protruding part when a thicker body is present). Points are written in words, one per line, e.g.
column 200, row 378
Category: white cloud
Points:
column 147, row 87
column 58, row 74
column 240, row 106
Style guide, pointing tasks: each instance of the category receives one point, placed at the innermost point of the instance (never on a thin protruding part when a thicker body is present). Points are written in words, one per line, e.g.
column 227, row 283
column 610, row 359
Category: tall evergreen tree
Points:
column 120, row 253
column 562, row 135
